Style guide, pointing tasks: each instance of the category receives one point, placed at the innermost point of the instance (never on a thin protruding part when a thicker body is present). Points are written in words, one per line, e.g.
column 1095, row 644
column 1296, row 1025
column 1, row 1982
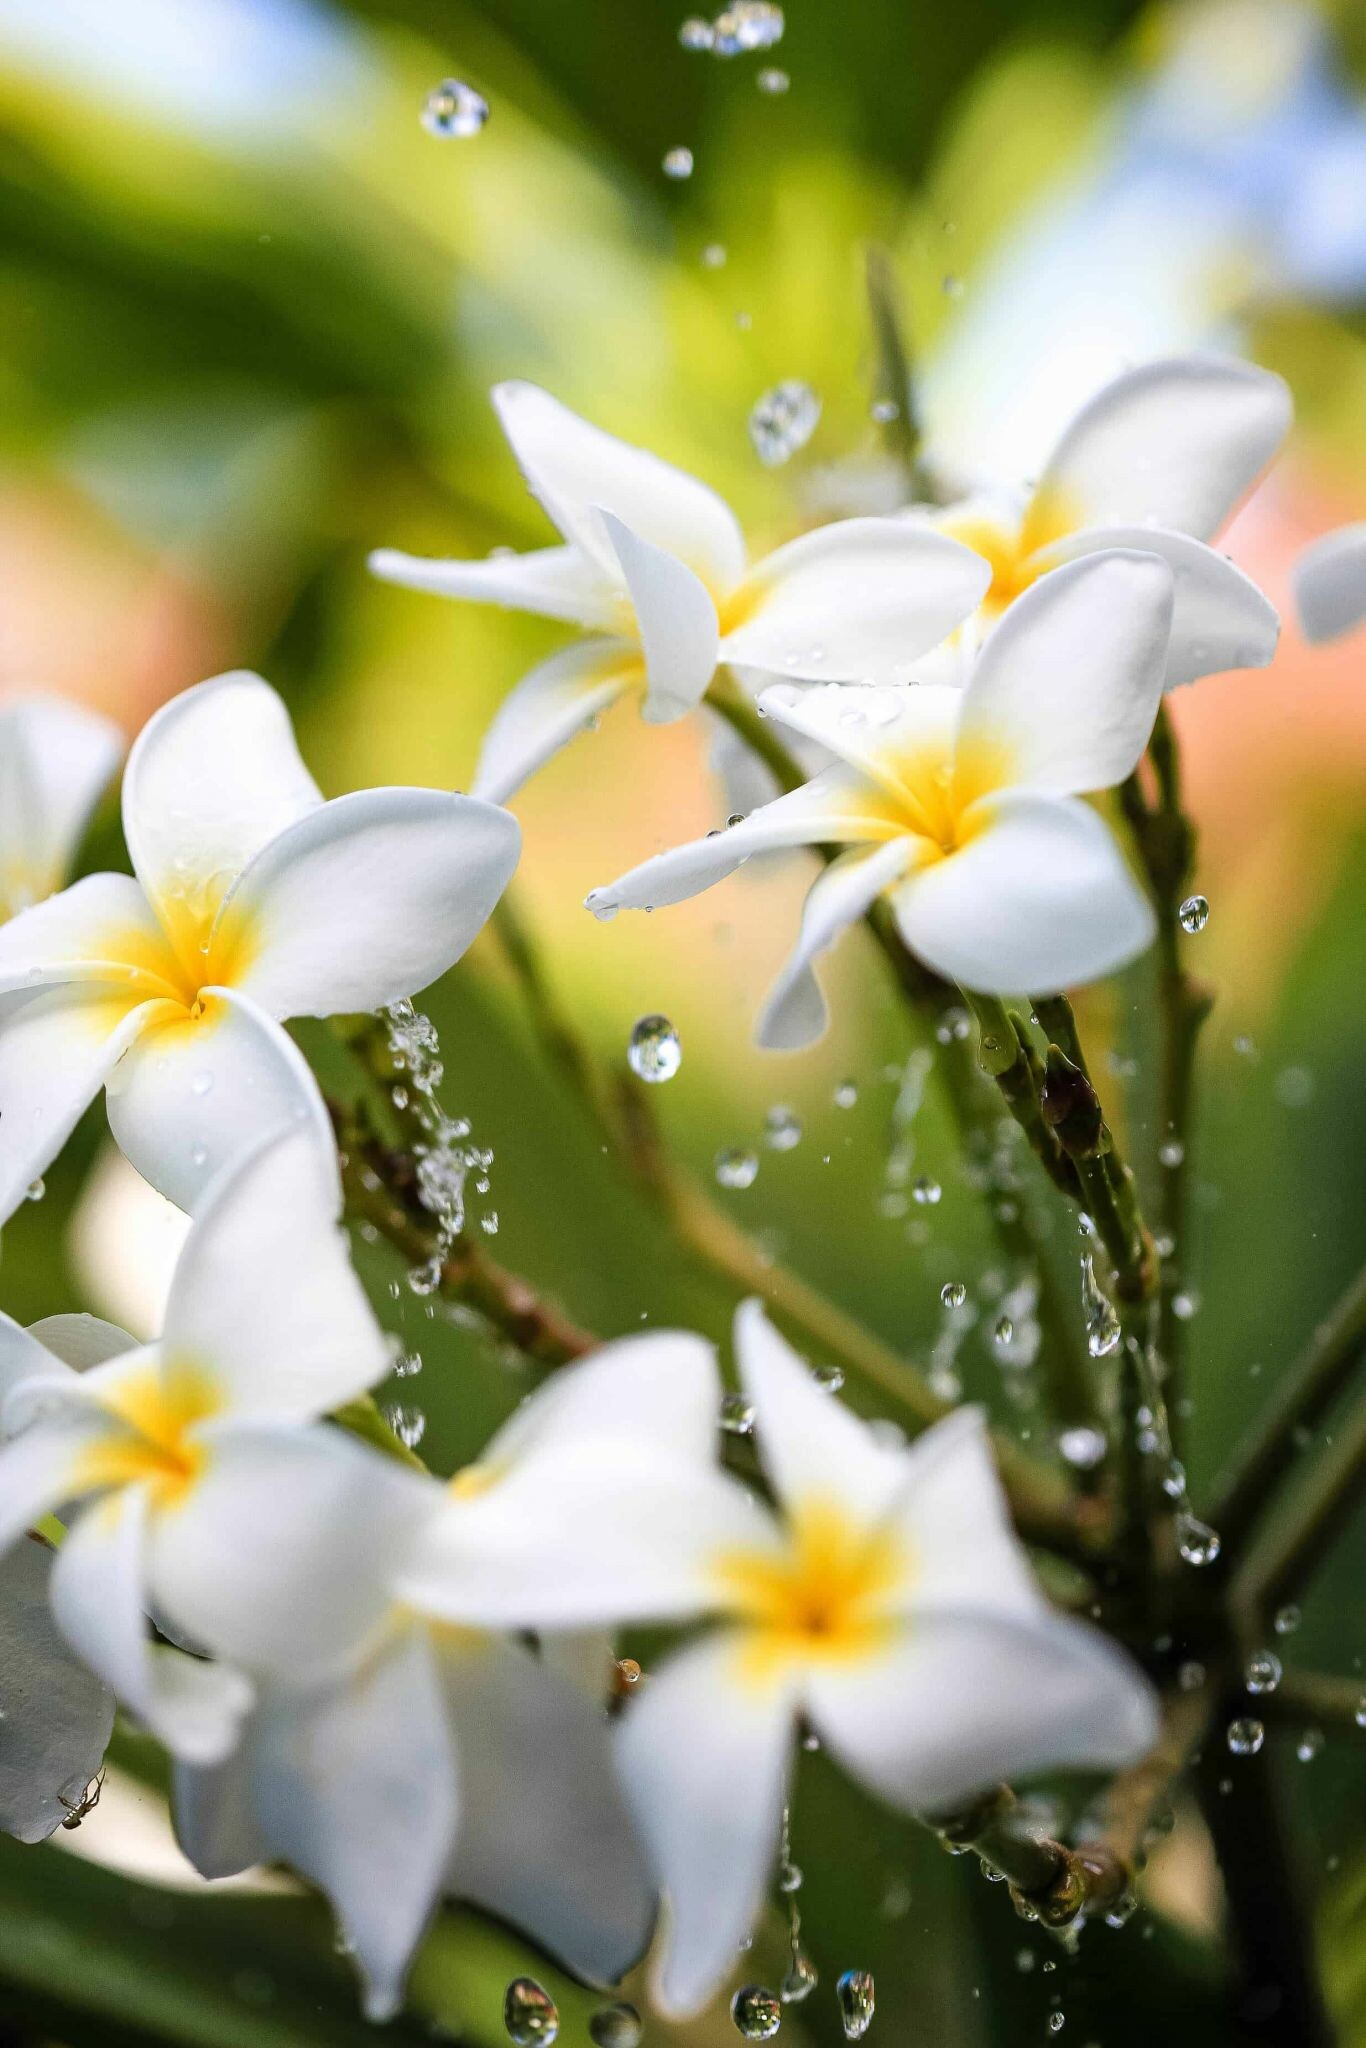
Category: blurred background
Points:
column 250, row 308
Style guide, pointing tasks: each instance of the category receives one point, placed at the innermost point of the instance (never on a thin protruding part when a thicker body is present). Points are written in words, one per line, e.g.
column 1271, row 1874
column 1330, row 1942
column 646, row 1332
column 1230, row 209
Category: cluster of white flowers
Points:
column 402, row 1687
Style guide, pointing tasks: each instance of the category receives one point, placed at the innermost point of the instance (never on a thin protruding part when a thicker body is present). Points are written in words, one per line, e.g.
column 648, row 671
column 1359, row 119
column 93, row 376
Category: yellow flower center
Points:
column 154, row 1411
column 1012, row 551
column 824, row 1596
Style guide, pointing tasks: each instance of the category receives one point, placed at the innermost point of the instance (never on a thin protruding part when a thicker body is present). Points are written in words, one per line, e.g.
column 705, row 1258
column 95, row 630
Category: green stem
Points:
column 1308, row 1696
column 1318, row 1510
column 1053, row 1881
column 1004, row 1055
column 1307, row 1392
column 894, row 384
column 364, row 1418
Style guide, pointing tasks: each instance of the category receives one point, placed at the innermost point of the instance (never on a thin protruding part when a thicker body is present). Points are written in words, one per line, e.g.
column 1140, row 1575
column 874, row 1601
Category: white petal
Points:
column 56, row 1048
column 265, row 1297
column 212, row 777
column 965, row 1700
column 41, row 1467
column 1330, row 584
column 24, row 1356
column 280, row 1556
column 951, row 1514
column 855, row 602
column 677, row 619
column 575, row 468
column 544, row 1839
column 58, row 1717
column 80, row 1341
column 101, row 929
column 1177, row 442
column 215, row 1824
column 583, row 1540
column 659, row 1391
column 1220, row 619
column 1063, row 696
column 810, row 1446
column 99, row 1602
column 585, row 1656
column 879, row 731
column 558, row 583
column 553, row 704
column 833, row 806
column 704, row 1760
column 368, row 899
column 194, row 1095
column 1038, row 900
column 795, row 1013
column 55, row 760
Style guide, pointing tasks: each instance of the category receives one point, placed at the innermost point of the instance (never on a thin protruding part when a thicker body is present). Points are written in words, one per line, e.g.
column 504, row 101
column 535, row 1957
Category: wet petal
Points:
column 552, row 705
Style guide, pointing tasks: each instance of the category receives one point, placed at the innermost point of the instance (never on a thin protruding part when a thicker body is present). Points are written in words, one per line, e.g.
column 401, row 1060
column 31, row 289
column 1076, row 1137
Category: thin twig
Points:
column 1287, row 1555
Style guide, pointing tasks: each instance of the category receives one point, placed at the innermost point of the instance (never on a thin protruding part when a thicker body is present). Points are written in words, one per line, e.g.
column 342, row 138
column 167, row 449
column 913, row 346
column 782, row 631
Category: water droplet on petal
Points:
column 454, row 111
column 1194, row 913
column 829, row 1378
column 654, row 1050
column 737, row 1415
column 855, row 1992
column 757, row 2012
column 529, row 2014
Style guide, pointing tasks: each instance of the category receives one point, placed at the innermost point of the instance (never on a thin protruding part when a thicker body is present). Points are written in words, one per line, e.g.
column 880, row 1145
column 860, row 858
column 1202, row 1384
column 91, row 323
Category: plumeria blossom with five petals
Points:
column 964, row 807
column 654, row 567
column 56, row 758
column 1330, row 584
column 1160, row 459
column 448, row 1758
column 208, row 1500
column 251, row 901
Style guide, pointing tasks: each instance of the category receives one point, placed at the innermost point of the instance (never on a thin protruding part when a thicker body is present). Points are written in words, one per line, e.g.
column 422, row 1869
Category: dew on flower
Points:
column 615, row 2026
column 773, row 81
column 856, row 1997
column 1262, row 1672
column 736, row 1415
column 1196, row 1541
column 799, row 1980
column 1245, row 1736
column 1194, row 914
column 35, row 1190
column 529, row 2014
column 757, row 2012
column 654, row 1051
column 1082, row 1447
column 782, row 1128
column 829, row 1378
column 736, row 1167
column 453, row 111
column 783, row 420
column 678, row 163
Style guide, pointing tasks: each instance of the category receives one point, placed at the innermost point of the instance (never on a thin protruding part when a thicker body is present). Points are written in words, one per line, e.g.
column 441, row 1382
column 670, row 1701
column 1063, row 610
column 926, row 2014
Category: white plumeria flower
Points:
column 55, row 759
column 1159, row 460
column 252, row 900
column 885, row 1601
column 448, row 1759
column 963, row 805
column 654, row 566
column 55, row 1716
column 213, row 1505
column 1330, row 584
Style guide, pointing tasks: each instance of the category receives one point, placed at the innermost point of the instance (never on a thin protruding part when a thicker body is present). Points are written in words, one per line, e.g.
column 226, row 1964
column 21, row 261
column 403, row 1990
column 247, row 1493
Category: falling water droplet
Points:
column 783, row 420
column 747, row 25
column 615, row 2026
column 453, row 110
column 736, row 1415
column 654, row 1051
column 1102, row 1324
column 678, row 163
column 782, row 1128
column 1245, row 1736
column 736, row 1167
column 1287, row 1620
column 757, row 2012
column 1360, row 1715
column 953, row 1294
column 925, row 1191
column 801, row 1979
column 1197, row 1542
column 1262, row 1672
column 529, row 2014
column 772, row 81
column 856, row 1997
column 695, row 33
column 1056, row 2022
column 1309, row 1745
column 1194, row 913
column 1082, row 1447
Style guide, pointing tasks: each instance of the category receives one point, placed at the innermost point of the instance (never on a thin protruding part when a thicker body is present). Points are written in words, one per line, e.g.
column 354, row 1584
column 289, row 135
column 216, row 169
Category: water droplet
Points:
column 855, row 1993
column 454, row 110
column 1197, row 1542
column 925, row 1191
column 1123, row 1910
column 1171, row 1152
column 426, row 1278
column 747, row 25
column 884, row 411
column 1360, row 1715
column 199, row 1155
column 736, row 1167
column 1309, row 1745
column 757, row 2012
column 1287, row 1620
column 736, row 1415
column 783, row 420
column 615, row 2026
column 529, row 2014
column 829, row 1378
column 695, row 33
column 782, row 1128
column 953, row 1294
column 678, row 163
column 1102, row 1324
column 773, row 81
column 1185, row 1304
column 35, row 1190
column 1004, row 1332
column 1194, row 914
column 1294, row 1087
column 801, row 1979
column 789, row 1877
column 1082, row 1447
column 714, row 255
column 1056, row 2022
column 654, row 1050
column 1191, row 1675
column 408, row 1424
column 1245, row 1736
column 1262, row 1672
